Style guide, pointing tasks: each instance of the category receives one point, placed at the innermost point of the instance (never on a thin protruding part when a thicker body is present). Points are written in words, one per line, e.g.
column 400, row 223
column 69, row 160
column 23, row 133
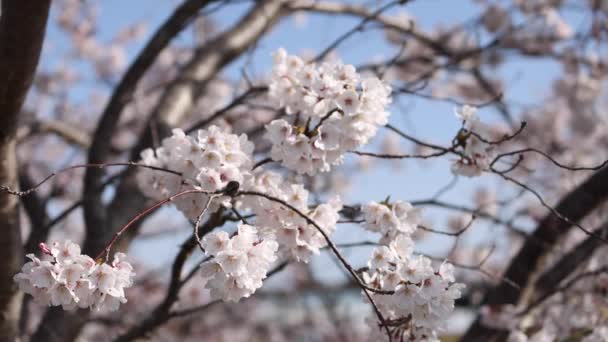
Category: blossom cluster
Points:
column 297, row 238
column 477, row 154
column 73, row 280
column 391, row 219
column 336, row 110
column 240, row 262
column 423, row 296
column 207, row 163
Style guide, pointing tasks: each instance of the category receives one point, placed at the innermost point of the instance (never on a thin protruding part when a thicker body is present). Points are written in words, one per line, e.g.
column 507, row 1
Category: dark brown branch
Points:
column 36, row 186
column 456, row 234
column 480, row 213
column 180, row 95
column 100, row 145
column 555, row 162
column 366, row 289
column 105, row 253
column 560, row 289
column 394, row 23
column 22, row 30
column 570, row 261
column 261, row 162
column 553, row 210
column 195, row 230
column 358, row 28
column 446, row 187
column 513, row 166
column 219, row 113
column 400, row 156
column 161, row 314
column 416, row 140
column 72, row 135
column 575, row 205
column 505, row 138
column 194, row 310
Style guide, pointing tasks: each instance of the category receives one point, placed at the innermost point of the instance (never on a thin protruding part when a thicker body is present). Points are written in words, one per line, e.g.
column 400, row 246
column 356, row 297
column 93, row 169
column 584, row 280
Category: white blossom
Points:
column 466, row 113
column 392, row 219
column 477, row 154
column 423, row 296
column 297, row 238
column 339, row 110
column 74, row 280
column 207, row 163
column 239, row 265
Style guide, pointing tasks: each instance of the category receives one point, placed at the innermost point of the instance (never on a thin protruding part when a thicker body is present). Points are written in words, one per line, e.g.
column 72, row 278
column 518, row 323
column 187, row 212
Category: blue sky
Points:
column 433, row 121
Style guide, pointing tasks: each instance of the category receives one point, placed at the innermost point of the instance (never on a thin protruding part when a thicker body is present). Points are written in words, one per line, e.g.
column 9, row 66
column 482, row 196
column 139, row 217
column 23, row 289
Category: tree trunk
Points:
column 575, row 206
column 22, row 27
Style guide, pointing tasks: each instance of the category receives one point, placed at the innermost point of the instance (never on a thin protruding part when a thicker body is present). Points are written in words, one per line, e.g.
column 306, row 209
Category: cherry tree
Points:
column 179, row 137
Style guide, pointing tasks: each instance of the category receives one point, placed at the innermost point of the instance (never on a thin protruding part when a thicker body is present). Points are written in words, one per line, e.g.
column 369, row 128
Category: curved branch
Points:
column 570, row 262
column 555, row 162
column 575, row 206
column 56, row 324
column 161, row 314
column 394, row 23
column 366, row 289
column 100, row 144
column 178, row 99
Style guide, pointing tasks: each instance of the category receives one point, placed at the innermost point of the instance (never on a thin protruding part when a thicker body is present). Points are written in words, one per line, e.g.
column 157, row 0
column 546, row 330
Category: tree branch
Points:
column 58, row 325
column 100, row 144
column 570, row 262
column 175, row 103
column 575, row 206
column 161, row 314
column 35, row 207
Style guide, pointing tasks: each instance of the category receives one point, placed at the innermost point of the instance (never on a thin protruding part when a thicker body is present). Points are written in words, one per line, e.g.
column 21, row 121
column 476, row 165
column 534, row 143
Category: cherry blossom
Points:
column 297, row 239
column 336, row 110
column 424, row 296
column 207, row 162
column 73, row 280
column 391, row 219
column 240, row 263
column 477, row 154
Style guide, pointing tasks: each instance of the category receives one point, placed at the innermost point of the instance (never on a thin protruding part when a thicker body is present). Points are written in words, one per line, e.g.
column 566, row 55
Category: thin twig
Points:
column 446, row 187
column 400, row 156
column 198, row 222
column 235, row 103
column 505, row 138
column 555, row 162
column 457, row 233
column 546, row 205
column 356, row 29
column 261, row 162
column 102, row 165
column 366, row 289
column 150, row 209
